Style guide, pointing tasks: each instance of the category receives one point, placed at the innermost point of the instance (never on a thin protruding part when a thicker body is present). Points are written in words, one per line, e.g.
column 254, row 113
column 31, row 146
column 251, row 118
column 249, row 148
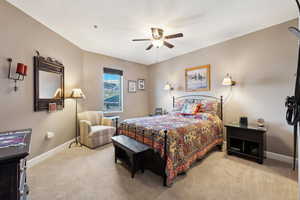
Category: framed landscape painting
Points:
column 197, row 78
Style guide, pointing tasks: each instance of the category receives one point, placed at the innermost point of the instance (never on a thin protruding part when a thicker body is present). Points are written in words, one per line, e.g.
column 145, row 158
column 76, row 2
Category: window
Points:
column 113, row 90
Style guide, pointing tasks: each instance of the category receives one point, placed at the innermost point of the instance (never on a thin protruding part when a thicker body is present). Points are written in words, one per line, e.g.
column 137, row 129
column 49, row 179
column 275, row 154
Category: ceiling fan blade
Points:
column 174, row 36
column 168, row 44
column 149, row 47
column 136, row 40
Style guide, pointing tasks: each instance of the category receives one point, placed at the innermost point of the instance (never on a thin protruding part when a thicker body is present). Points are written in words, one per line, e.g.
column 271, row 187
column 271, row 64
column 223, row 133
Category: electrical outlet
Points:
column 50, row 135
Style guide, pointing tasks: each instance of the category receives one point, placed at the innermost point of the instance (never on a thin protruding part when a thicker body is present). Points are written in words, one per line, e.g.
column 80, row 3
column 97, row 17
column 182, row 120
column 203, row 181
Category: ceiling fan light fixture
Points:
column 159, row 39
column 156, row 34
column 158, row 43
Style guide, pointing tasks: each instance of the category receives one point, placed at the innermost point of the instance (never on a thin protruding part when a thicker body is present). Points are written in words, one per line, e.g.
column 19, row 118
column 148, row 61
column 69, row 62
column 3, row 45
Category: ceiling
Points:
column 203, row 23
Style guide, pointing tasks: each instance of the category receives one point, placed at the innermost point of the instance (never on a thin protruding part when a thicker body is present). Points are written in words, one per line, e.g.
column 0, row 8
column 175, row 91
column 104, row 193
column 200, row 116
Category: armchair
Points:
column 95, row 130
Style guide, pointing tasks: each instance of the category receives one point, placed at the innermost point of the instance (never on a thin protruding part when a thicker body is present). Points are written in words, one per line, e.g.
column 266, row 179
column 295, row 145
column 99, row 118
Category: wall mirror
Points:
column 48, row 84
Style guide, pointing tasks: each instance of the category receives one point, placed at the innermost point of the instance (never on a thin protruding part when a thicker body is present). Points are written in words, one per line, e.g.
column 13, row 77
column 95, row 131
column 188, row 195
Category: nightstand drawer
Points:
column 245, row 134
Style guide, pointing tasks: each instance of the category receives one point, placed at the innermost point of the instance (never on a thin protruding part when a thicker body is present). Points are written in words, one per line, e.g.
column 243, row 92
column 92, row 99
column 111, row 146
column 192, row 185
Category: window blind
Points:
column 112, row 71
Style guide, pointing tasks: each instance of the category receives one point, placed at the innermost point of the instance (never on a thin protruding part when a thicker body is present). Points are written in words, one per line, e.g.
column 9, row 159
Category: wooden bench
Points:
column 130, row 152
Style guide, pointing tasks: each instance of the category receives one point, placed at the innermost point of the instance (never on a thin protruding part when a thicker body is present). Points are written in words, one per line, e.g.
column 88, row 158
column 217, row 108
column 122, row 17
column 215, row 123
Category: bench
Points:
column 130, row 152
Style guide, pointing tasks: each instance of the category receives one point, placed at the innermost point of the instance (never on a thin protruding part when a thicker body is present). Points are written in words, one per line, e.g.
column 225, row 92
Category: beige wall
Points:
column 20, row 36
column 263, row 64
column 135, row 104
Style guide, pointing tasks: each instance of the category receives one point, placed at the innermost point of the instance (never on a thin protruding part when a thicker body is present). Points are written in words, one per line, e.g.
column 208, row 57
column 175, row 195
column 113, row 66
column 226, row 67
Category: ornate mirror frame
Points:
column 47, row 65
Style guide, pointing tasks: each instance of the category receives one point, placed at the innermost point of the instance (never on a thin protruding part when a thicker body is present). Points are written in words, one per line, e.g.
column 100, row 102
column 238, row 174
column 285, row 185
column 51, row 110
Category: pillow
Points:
column 198, row 108
column 190, row 109
column 209, row 107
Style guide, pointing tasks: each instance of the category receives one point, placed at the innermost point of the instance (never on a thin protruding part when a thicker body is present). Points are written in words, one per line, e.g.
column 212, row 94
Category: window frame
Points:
column 121, row 94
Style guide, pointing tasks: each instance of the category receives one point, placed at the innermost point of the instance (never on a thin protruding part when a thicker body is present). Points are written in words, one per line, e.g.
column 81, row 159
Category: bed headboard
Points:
column 198, row 99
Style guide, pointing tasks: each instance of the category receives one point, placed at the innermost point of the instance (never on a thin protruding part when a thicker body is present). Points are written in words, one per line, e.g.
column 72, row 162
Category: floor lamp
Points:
column 76, row 94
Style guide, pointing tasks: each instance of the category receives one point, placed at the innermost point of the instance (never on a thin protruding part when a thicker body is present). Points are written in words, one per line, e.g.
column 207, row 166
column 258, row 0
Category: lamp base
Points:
column 76, row 127
column 76, row 144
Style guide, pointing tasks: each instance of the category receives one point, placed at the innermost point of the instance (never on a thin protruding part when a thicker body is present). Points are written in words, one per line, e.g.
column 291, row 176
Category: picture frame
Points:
column 132, row 85
column 52, row 107
column 141, row 84
column 197, row 79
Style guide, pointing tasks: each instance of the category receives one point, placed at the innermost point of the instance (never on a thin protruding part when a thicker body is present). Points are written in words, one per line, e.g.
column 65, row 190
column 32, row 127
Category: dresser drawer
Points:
column 245, row 134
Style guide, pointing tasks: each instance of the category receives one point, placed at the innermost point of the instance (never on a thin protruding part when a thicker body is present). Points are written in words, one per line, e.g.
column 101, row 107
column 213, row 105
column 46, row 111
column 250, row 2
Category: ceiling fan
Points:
column 158, row 38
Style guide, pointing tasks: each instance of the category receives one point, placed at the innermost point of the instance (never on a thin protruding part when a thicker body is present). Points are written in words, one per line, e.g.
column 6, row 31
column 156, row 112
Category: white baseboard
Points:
column 277, row 156
column 280, row 157
column 48, row 154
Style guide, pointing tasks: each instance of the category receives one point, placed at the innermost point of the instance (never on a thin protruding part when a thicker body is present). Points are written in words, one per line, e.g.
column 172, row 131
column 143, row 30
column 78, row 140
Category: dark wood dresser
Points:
column 13, row 184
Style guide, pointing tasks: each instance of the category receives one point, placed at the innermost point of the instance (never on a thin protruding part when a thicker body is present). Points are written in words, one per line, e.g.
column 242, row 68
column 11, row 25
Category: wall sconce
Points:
column 168, row 87
column 227, row 81
column 21, row 71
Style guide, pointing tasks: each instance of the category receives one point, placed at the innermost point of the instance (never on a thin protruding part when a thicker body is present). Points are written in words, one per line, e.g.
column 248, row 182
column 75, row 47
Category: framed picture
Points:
column 131, row 86
column 197, row 78
column 141, row 84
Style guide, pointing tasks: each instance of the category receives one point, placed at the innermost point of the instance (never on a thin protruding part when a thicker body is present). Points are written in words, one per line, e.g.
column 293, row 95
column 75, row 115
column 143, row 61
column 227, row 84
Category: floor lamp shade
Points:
column 77, row 93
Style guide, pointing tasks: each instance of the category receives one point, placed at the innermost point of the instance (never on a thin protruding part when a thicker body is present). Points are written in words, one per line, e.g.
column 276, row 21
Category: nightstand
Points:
column 246, row 141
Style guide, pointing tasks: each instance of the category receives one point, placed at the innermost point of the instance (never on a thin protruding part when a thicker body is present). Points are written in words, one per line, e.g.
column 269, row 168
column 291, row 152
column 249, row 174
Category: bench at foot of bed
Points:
column 130, row 152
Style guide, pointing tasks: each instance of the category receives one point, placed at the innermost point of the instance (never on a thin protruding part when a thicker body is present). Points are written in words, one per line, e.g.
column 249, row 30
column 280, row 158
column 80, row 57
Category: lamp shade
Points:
column 168, row 87
column 77, row 94
column 227, row 81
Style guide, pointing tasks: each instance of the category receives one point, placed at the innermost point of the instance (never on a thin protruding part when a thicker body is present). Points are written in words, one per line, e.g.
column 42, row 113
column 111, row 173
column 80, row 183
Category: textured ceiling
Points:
column 203, row 22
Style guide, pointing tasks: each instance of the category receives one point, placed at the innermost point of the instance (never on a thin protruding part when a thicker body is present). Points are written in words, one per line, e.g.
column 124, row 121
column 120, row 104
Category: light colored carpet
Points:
column 83, row 174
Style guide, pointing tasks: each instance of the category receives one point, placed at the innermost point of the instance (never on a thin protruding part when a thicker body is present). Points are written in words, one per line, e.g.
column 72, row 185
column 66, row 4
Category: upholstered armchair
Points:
column 95, row 129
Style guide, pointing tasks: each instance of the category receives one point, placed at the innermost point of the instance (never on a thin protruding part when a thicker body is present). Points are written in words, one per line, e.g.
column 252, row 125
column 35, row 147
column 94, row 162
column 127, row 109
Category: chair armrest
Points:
column 85, row 126
column 106, row 122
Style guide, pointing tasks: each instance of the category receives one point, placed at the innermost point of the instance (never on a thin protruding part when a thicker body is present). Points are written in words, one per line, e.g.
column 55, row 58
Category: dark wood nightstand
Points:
column 246, row 141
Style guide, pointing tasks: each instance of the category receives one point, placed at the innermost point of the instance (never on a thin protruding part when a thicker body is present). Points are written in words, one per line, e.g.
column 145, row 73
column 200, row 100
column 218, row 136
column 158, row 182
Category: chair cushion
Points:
column 102, row 130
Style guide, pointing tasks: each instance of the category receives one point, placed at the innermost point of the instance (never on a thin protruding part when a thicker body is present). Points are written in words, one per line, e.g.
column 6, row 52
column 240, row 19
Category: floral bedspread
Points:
column 188, row 138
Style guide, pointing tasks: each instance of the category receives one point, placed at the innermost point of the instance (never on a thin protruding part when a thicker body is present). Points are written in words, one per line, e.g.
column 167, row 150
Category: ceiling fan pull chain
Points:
column 156, row 55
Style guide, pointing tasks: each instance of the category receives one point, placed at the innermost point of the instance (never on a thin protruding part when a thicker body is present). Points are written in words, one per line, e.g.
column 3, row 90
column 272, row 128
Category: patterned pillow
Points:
column 190, row 109
column 209, row 107
column 198, row 108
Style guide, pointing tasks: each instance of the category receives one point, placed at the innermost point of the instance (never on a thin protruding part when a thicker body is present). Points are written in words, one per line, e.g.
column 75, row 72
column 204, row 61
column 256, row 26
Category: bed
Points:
column 178, row 140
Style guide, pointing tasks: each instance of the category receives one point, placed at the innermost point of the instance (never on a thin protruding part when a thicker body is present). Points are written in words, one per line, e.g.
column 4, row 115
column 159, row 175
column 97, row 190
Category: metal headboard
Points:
column 199, row 97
